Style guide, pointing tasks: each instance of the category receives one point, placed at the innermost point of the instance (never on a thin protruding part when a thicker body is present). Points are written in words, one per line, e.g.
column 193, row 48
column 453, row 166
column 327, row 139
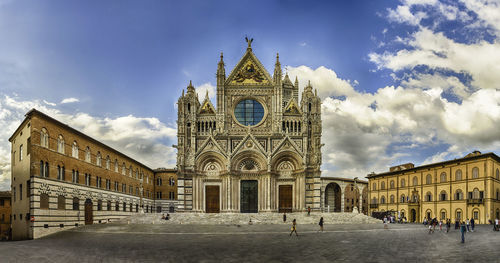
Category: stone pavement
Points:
column 244, row 219
column 117, row 242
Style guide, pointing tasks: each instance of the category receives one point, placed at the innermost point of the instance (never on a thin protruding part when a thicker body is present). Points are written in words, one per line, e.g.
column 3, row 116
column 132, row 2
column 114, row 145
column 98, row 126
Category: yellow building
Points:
column 462, row 188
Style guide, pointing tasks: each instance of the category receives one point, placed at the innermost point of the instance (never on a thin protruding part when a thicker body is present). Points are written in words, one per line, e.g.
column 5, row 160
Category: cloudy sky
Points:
column 401, row 81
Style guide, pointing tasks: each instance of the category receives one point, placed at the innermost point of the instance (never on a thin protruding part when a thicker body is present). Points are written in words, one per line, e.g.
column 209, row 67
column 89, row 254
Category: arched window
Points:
column 374, row 200
column 74, row 150
column 458, row 214
column 403, row 182
column 443, row 177
column 99, row 205
column 442, row 196
column 428, row 197
column 59, row 173
column 116, row 165
column 98, row 159
column 117, row 206
column 415, row 181
column 44, row 138
column 497, row 174
column 76, row 203
column 443, row 214
column 382, row 200
column 123, row 169
column 108, row 205
column 392, row 199
column 475, row 193
column 374, row 187
column 458, row 175
column 60, row 144
column 124, row 206
column 498, row 194
column 44, row 201
column 108, row 163
column 172, row 181
column 459, row 195
column 382, row 185
column 391, row 184
column 475, row 172
column 87, row 154
column 428, row 179
column 403, row 198
column 130, row 171
column 61, row 202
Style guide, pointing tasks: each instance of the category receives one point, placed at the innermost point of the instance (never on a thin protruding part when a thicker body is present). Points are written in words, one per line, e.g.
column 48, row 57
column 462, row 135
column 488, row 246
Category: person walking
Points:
column 284, row 217
column 457, row 224
column 385, row 223
column 472, row 224
column 308, row 211
column 467, row 222
column 440, row 225
column 321, row 224
column 462, row 230
column 294, row 227
column 448, row 225
column 496, row 224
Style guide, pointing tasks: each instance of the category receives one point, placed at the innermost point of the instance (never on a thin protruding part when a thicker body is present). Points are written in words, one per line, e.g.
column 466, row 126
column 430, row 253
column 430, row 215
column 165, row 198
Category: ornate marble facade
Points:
column 258, row 150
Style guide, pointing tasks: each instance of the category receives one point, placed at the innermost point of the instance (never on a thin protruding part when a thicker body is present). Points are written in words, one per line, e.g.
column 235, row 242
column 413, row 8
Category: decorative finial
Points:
column 206, row 95
column 278, row 57
column 249, row 41
column 221, row 56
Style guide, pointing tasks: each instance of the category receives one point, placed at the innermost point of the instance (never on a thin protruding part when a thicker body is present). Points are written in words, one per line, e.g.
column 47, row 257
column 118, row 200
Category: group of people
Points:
column 464, row 226
column 294, row 224
column 165, row 217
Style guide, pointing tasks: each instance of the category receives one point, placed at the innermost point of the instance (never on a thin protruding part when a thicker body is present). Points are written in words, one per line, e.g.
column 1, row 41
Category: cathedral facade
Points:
column 257, row 150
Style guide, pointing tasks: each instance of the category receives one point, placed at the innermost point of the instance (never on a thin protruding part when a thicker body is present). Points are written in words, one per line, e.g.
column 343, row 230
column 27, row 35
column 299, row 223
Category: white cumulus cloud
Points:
column 69, row 100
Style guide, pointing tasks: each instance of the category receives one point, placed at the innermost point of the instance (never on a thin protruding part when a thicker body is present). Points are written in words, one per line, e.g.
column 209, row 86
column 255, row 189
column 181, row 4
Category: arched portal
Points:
column 333, row 197
column 413, row 215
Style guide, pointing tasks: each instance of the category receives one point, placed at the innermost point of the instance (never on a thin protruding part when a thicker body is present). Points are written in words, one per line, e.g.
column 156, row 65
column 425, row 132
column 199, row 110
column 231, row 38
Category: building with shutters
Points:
column 257, row 150
column 467, row 187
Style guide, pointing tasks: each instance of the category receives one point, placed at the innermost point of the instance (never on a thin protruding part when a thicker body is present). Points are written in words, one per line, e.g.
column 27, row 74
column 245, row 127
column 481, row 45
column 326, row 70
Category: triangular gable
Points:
column 211, row 144
column 286, row 142
column 292, row 108
column 249, row 70
column 254, row 144
column 207, row 108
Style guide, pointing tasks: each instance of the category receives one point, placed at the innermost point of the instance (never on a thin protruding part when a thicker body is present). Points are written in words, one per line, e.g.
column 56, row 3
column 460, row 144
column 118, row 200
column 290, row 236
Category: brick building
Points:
column 165, row 189
column 63, row 178
column 5, row 214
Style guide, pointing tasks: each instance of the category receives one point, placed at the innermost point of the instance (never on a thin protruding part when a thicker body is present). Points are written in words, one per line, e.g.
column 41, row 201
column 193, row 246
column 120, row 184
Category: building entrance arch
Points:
column 333, row 197
column 413, row 216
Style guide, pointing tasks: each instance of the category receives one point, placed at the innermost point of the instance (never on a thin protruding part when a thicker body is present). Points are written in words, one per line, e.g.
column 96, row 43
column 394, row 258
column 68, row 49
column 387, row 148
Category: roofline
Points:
column 158, row 170
column 344, row 179
column 21, row 125
column 463, row 159
column 35, row 111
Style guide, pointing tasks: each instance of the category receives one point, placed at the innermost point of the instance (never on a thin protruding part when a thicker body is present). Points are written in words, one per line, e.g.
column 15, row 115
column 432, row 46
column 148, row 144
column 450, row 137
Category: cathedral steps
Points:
column 256, row 218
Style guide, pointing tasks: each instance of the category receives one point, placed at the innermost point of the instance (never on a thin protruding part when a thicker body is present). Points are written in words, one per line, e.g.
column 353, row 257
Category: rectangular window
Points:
column 20, row 152
column 2, row 202
column 14, row 193
column 158, row 195
column 28, row 146
column 28, row 188
column 476, row 215
column 171, row 195
column 13, row 158
column 20, row 192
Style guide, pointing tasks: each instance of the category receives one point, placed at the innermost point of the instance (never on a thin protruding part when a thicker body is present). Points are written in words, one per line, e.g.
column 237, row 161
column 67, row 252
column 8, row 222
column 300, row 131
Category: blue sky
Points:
column 401, row 81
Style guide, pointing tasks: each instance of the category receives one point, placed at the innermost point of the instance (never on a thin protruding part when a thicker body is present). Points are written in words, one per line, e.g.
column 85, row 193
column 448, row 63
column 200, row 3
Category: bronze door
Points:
column 249, row 196
column 285, row 199
column 89, row 219
column 212, row 199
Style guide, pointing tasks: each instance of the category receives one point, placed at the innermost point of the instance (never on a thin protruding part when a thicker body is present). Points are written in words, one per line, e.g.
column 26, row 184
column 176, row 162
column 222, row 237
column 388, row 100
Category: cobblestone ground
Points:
column 117, row 242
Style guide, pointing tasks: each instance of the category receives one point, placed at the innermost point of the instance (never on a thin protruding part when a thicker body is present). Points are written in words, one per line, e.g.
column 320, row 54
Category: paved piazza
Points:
column 121, row 242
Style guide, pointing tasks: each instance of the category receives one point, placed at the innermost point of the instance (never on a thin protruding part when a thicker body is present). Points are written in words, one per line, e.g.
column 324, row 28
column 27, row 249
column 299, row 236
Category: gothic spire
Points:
column 277, row 69
column 190, row 88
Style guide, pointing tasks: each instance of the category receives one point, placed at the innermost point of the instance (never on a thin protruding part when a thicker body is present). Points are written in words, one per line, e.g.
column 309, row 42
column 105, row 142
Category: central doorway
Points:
column 249, row 196
column 212, row 203
column 413, row 216
column 89, row 217
column 285, row 199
